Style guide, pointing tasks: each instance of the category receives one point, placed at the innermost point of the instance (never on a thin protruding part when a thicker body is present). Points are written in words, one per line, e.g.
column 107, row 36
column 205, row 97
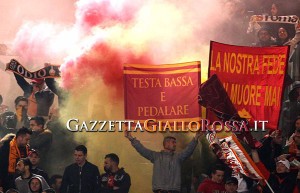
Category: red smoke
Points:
column 91, row 13
column 101, row 61
column 102, row 57
column 109, row 33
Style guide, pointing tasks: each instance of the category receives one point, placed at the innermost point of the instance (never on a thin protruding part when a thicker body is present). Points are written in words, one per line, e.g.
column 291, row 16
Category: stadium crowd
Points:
column 31, row 134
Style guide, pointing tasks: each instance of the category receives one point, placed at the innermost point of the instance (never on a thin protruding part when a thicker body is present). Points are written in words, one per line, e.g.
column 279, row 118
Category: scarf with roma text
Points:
column 14, row 155
column 50, row 71
column 288, row 19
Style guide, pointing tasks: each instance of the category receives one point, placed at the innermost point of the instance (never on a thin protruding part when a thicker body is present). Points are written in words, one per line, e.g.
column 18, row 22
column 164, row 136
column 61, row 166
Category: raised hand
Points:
column 128, row 135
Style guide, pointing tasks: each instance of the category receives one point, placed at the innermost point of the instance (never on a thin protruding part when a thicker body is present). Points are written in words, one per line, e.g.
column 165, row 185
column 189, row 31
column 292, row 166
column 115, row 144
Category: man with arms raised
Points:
column 166, row 163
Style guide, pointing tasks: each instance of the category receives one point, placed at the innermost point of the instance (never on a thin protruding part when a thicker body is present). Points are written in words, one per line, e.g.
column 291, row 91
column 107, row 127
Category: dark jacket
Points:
column 119, row 179
column 274, row 150
column 44, row 98
column 83, row 179
column 282, row 183
column 11, row 123
column 42, row 142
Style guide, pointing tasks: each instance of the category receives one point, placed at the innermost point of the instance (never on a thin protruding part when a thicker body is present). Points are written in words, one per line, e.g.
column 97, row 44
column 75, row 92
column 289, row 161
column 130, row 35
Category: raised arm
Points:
column 25, row 86
column 146, row 153
column 255, row 156
column 259, row 164
column 61, row 93
column 188, row 151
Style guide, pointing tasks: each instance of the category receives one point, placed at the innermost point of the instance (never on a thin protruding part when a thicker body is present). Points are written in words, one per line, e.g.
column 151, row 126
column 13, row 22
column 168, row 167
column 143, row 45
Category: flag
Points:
column 163, row 92
column 232, row 153
column 214, row 97
column 253, row 78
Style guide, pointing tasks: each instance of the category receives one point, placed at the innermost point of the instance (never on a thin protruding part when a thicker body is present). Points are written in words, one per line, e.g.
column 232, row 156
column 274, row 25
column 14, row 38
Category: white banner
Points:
column 232, row 153
column 289, row 19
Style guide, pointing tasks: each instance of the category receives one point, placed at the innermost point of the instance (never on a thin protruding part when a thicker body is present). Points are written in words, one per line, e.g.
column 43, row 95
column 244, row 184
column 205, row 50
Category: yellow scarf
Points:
column 14, row 155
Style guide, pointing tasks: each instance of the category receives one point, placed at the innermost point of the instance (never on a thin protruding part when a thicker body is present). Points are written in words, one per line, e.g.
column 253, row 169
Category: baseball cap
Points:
column 232, row 180
column 32, row 152
column 286, row 163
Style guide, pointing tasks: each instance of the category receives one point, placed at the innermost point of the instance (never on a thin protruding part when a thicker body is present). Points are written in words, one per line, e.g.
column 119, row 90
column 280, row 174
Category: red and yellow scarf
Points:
column 14, row 155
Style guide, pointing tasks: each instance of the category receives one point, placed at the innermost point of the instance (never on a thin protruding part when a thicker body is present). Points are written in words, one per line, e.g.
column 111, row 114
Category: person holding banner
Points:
column 292, row 147
column 166, row 163
column 53, row 86
column 283, row 36
column 40, row 98
column 273, row 145
column 282, row 181
column 265, row 38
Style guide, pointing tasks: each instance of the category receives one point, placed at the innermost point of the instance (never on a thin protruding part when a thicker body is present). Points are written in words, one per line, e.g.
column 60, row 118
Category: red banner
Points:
column 163, row 92
column 253, row 78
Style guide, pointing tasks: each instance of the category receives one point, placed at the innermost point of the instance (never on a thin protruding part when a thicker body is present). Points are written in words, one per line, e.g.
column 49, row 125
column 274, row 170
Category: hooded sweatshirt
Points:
column 23, row 186
column 40, row 181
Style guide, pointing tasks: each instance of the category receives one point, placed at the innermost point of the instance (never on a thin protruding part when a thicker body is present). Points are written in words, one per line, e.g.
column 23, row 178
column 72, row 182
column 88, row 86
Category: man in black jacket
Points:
column 81, row 176
column 115, row 180
column 34, row 158
column 41, row 139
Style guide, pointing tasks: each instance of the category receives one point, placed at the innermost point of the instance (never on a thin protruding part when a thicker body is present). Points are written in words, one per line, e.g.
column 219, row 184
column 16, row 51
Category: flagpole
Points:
column 269, row 186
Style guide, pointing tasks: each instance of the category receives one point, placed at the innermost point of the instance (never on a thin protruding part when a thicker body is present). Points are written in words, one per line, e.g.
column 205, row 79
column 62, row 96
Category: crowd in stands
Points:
column 31, row 136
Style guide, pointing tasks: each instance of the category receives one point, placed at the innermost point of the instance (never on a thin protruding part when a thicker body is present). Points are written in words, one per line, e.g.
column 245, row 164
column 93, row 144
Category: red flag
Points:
column 163, row 92
column 253, row 78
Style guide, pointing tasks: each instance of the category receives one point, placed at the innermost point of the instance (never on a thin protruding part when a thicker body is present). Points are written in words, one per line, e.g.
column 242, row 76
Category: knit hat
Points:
column 286, row 163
